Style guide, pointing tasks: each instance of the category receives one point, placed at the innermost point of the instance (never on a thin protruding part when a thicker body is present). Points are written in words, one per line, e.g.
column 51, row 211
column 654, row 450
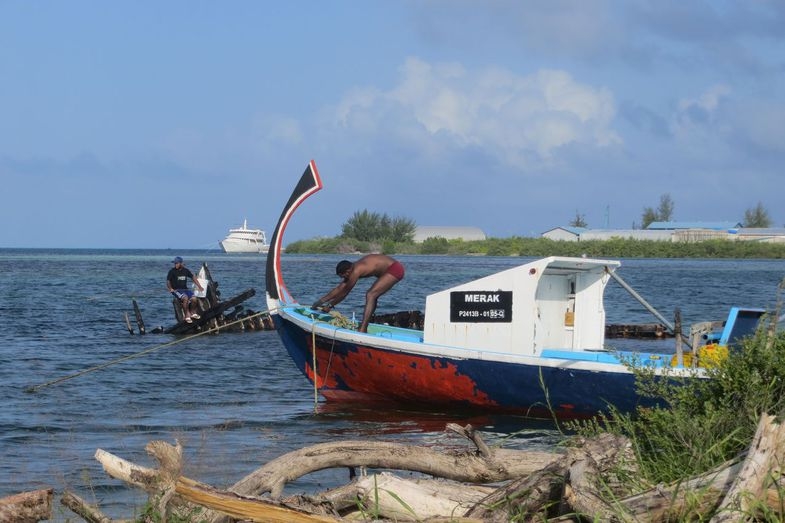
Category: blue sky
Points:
column 163, row 124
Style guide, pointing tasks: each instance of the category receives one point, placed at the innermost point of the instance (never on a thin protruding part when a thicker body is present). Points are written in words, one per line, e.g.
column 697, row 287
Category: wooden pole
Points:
column 128, row 325
column 677, row 333
column 138, row 314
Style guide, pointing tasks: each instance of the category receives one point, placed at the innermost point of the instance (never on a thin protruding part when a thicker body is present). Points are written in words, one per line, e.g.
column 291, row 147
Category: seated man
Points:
column 177, row 283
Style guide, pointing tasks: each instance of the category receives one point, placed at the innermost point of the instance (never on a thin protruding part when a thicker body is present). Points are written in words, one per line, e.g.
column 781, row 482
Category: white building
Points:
column 765, row 235
column 568, row 234
column 626, row 234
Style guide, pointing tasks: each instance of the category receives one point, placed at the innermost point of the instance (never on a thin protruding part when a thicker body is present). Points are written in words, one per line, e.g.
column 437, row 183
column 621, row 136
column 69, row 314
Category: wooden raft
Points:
column 215, row 315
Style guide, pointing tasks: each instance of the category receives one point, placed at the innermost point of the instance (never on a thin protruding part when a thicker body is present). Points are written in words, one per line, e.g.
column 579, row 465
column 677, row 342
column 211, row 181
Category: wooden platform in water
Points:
column 638, row 331
column 216, row 315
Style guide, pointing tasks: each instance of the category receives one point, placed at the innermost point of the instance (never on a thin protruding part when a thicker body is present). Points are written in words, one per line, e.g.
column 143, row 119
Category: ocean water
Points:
column 235, row 400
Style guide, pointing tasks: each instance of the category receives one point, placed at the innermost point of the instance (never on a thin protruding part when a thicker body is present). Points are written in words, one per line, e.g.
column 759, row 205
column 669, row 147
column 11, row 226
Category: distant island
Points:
column 539, row 247
column 367, row 231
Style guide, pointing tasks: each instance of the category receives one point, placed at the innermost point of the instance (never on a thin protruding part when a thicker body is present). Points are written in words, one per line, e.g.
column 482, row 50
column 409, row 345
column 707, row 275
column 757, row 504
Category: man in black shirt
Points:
column 177, row 283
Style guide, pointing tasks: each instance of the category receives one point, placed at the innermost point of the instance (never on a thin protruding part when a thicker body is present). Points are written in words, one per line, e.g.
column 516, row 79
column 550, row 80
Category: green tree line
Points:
column 367, row 231
column 539, row 247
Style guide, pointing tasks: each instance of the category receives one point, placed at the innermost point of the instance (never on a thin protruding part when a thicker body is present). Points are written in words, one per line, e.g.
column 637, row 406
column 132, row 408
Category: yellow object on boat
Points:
column 709, row 356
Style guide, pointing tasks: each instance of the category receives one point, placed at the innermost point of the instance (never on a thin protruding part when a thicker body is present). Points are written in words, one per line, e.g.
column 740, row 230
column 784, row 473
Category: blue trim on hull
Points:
column 360, row 372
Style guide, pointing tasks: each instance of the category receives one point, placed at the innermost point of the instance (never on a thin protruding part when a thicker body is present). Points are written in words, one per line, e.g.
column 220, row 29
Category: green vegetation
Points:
column 538, row 247
column 579, row 220
column 757, row 216
column 663, row 213
column 706, row 422
column 371, row 226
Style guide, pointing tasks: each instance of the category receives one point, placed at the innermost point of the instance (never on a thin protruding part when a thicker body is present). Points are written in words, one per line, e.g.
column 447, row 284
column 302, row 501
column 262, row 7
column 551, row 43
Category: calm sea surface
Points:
column 235, row 401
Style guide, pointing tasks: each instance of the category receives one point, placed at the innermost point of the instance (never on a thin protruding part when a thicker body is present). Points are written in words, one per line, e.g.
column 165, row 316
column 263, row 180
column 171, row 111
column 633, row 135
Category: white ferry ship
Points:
column 244, row 239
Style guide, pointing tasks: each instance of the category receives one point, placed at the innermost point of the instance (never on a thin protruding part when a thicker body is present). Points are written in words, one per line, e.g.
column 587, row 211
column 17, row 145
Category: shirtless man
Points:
column 388, row 272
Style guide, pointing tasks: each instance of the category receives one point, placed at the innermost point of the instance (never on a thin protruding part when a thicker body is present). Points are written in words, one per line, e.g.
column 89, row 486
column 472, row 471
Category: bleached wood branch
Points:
column 399, row 499
column 228, row 503
column 504, row 464
column 749, row 486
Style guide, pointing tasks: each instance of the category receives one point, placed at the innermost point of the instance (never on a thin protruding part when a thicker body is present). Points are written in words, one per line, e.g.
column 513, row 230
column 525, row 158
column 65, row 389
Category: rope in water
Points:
column 340, row 321
column 315, row 374
column 35, row 388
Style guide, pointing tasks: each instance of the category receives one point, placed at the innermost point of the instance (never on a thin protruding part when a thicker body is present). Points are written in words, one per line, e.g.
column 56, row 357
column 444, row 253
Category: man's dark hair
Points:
column 343, row 266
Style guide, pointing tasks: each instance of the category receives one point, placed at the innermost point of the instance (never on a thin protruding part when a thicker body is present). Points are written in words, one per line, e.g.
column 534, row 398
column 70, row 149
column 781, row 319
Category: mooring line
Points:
column 315, row 373
column 35, row 388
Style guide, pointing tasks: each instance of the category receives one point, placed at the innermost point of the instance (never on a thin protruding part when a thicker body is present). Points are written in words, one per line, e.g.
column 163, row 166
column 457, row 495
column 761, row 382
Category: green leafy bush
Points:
column 707, row 421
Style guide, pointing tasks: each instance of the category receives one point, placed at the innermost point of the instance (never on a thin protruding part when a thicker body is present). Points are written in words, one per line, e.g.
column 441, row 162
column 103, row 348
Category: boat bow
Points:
column 309, row 183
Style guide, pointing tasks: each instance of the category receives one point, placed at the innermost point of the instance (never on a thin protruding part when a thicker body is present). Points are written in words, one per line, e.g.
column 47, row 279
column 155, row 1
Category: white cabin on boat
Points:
column 552, row 303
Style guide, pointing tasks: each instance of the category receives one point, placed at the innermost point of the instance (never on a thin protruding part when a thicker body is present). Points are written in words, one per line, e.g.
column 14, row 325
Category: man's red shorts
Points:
column 396, row 270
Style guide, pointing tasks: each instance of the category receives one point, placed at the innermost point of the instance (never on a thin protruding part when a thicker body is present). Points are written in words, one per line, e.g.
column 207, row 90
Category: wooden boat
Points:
column 215, row 315
column 526, row 340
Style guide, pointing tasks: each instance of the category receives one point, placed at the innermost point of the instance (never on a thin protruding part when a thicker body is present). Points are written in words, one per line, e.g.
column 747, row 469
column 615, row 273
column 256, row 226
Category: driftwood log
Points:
column 165, row 484
column 469, row 466
column 497, row 465
column 478, row 485
column 575, row 484
column 80, row 507
column 25, row 507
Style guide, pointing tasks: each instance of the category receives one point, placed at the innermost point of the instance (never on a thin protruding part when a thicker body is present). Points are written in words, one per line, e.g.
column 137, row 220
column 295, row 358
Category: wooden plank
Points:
column 760, row 465
column 241, row 507
column 128, row 324
column 212, row 288
column 138, row 314
column 185, row 327
column 637, row 331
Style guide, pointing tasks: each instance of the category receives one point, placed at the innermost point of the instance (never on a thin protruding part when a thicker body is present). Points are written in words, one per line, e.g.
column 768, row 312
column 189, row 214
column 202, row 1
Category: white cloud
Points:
column 279, row 130
column 699, row 123
column 761, row 123
column 508, row 116
column 709, row 101
column 721, row 122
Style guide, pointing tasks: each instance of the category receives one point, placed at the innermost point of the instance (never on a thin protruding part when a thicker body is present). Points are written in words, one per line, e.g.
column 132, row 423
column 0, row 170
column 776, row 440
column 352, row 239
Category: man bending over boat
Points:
column 177, row 283
column 388, row 272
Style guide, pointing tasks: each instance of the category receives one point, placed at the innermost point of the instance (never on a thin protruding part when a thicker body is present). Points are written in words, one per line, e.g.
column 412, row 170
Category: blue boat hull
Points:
column 347, row 371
